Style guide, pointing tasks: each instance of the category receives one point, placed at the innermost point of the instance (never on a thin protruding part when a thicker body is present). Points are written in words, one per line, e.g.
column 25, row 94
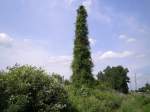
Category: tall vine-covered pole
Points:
column 82, row 62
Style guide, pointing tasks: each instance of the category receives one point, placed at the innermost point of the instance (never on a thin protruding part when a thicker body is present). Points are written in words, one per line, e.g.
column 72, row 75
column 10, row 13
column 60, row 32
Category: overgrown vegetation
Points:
column 30, row 89
column 135, row 103
column 82, row 61
column 100, row 100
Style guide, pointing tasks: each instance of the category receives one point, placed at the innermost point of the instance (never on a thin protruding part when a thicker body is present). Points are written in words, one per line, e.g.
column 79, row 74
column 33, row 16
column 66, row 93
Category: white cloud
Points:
column 65, row 60
column 5, row 40
column 28, row 51
column 140, row 56
column 127, row 38
column 87, row 4
column 92, row 41
column 103, row 17
column 69, row 2
column 112, row 55
column 122, row 36
column 101, row 13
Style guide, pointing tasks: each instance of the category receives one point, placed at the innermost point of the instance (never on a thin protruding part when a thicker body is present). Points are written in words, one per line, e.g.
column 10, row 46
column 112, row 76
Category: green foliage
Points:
column 115, row 77
column 93, row 100
column 82, row 62
column 145, row 89
column 96, row 100
column 57, row 78
column 135, row 103
column 30, row 89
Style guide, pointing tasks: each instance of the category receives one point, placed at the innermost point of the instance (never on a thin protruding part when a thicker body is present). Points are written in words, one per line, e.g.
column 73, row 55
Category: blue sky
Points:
column 41, row 33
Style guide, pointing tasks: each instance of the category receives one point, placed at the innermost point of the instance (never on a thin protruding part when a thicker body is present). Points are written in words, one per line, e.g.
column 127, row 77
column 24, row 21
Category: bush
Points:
column 31, row 89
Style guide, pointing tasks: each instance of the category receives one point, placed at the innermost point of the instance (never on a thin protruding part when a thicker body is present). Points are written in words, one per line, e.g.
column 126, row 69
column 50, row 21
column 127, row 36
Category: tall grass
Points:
column 97, row 100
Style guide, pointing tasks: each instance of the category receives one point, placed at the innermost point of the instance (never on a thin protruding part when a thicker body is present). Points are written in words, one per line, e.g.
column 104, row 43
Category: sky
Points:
column 41, row 33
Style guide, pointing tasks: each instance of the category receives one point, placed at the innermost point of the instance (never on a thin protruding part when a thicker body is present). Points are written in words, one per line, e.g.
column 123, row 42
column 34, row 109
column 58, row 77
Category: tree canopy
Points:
column 145, row 88
column 116, row 77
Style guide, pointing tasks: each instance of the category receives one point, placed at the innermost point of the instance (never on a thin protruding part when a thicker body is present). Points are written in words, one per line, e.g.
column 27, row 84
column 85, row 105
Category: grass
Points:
column 135, row 103
column 97, row 100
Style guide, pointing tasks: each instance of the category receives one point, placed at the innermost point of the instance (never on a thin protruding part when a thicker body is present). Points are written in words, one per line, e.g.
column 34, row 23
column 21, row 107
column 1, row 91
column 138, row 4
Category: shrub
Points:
column 31, row 89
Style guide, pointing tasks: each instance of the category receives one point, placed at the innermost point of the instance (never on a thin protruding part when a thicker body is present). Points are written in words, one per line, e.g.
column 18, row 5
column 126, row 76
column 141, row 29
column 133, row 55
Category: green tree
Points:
column 100, row 76
column 145, row 88
column 82, row 61
column 116, row 77
column 31, row 89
